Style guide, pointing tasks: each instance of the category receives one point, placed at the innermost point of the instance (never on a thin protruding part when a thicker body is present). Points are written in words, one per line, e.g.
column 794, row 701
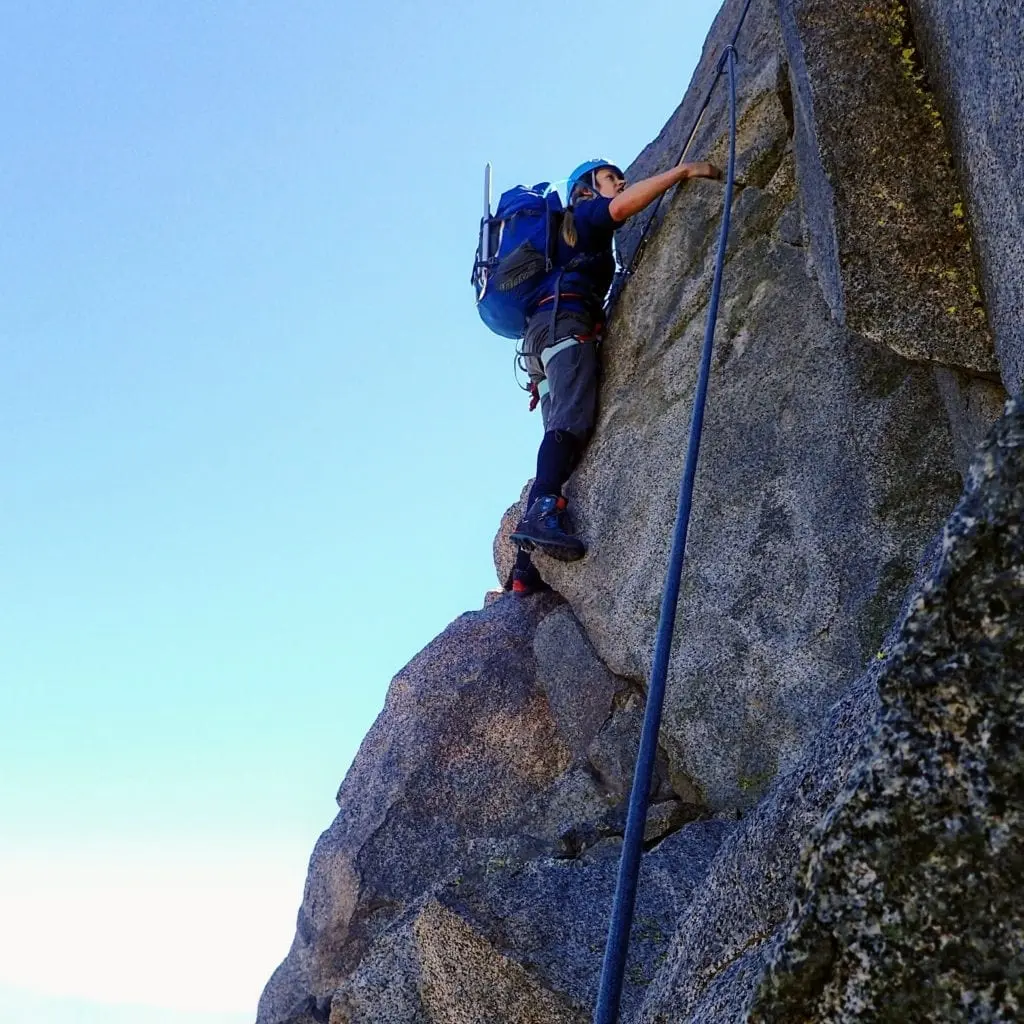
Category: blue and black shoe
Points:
column 542, row 529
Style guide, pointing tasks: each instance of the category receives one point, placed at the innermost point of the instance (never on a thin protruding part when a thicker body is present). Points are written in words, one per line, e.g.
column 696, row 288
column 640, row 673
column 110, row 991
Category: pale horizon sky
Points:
column 256, row 442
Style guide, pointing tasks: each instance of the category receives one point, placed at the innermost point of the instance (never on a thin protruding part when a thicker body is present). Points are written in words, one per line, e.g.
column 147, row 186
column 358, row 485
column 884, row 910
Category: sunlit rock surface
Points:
column 835, row 830
column 827, row 458
column 968, row 56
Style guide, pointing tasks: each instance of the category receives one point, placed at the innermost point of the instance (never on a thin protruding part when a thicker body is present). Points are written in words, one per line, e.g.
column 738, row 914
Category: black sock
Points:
column 556, row 459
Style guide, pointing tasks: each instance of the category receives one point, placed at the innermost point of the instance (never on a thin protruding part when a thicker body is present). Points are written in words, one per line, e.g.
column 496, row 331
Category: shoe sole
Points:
column 556, row 551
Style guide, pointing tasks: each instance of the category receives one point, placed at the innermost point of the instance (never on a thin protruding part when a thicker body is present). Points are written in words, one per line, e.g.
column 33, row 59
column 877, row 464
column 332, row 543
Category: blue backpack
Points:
column 516, row 255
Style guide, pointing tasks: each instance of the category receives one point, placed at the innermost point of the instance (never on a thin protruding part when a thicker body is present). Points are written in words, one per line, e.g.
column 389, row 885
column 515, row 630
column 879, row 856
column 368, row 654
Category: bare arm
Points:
column 641, row 194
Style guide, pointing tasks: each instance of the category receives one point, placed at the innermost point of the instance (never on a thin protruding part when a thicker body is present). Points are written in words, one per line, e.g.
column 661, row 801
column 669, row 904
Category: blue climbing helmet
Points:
column 584, row 174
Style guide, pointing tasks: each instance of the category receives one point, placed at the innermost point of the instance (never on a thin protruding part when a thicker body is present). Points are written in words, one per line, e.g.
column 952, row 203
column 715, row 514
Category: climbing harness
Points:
column 613, row 968
column 538, row 389
column 561, row 345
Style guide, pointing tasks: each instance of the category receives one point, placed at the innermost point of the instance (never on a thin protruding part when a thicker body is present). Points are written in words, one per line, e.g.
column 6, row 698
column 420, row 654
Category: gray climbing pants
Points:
column 571, row 374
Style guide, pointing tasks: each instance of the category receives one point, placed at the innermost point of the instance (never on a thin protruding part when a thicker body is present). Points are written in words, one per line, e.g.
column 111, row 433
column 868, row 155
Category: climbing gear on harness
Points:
column 542, row 528
column 584, row 174
column 549, row 353
column 563, row 295
column 538, row 389
column 515, row 254
column 614, row 965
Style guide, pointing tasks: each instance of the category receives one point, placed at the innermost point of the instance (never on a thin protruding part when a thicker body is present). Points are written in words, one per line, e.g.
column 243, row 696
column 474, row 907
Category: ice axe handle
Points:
column 486, row 233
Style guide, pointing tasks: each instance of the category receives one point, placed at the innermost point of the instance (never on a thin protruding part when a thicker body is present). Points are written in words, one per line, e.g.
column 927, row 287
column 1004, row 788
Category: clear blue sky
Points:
column 255, row 441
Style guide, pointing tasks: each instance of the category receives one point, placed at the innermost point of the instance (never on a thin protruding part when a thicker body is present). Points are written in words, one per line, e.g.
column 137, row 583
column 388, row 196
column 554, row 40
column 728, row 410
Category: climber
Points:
column 560, row 351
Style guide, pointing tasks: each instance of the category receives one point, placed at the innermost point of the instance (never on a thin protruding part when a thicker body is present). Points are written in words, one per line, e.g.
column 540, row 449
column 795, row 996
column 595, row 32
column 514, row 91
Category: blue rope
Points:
column 652, row 218
column 610, row 992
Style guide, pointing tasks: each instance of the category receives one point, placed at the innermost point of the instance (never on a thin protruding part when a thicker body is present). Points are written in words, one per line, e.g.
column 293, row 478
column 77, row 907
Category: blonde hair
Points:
column 569, row 233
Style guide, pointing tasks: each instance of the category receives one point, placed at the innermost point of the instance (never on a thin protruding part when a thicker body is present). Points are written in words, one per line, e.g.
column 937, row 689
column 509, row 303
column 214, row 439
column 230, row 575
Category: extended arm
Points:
column 641, row 194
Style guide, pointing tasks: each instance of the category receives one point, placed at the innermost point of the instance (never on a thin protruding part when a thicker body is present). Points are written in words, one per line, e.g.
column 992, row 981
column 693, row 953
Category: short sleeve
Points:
column 594, row 222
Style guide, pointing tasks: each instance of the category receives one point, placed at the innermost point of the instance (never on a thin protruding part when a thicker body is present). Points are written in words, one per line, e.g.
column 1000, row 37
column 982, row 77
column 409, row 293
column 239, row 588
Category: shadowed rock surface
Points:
column 718, row 952
column 827, row 460
column 910, row 898
column 835, row 829
column 505, row 742
column 532, row 930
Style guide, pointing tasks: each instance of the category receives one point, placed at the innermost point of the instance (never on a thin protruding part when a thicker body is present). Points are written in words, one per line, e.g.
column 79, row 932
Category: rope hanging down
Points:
column 650, row 221
column 610, row 992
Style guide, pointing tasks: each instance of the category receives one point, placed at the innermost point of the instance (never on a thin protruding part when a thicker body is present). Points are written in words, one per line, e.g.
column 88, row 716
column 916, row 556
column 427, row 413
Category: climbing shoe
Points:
column 527, row 581
column 542, row 528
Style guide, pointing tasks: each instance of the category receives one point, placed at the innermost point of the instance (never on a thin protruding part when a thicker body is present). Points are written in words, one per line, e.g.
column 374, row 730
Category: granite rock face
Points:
column 718, row 954
column 505, row 742
column 898, row 237
column 973, row 404
column 503, row 551
column 911, row 898
column 521, row 940
column 827, row 458
column 905, row 812
column 969, row 56
column 835, row 827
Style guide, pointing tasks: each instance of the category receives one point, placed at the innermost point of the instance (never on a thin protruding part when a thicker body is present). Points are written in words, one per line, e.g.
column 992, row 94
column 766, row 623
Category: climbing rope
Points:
column 641, row 245
column 613, row 968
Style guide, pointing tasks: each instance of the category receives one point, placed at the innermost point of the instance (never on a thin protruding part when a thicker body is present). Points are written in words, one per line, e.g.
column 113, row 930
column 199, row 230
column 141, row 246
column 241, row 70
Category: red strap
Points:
column 534, row 395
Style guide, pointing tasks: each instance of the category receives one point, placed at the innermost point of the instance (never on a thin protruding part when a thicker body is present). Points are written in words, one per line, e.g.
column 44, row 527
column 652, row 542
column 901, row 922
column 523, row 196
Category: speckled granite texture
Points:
column 835, row 835
column 970, row 53
column 910, row 906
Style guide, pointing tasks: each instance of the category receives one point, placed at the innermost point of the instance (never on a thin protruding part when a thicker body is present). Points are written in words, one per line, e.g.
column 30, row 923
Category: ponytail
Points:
column 569, row 233
column 580, row 194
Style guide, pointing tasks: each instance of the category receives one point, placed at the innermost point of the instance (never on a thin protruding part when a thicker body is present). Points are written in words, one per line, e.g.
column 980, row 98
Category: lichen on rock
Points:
column 836, row 828
column 909, row 905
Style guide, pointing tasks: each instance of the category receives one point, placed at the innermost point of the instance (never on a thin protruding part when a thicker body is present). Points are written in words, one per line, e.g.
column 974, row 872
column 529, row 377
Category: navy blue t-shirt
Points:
column 594, row 228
